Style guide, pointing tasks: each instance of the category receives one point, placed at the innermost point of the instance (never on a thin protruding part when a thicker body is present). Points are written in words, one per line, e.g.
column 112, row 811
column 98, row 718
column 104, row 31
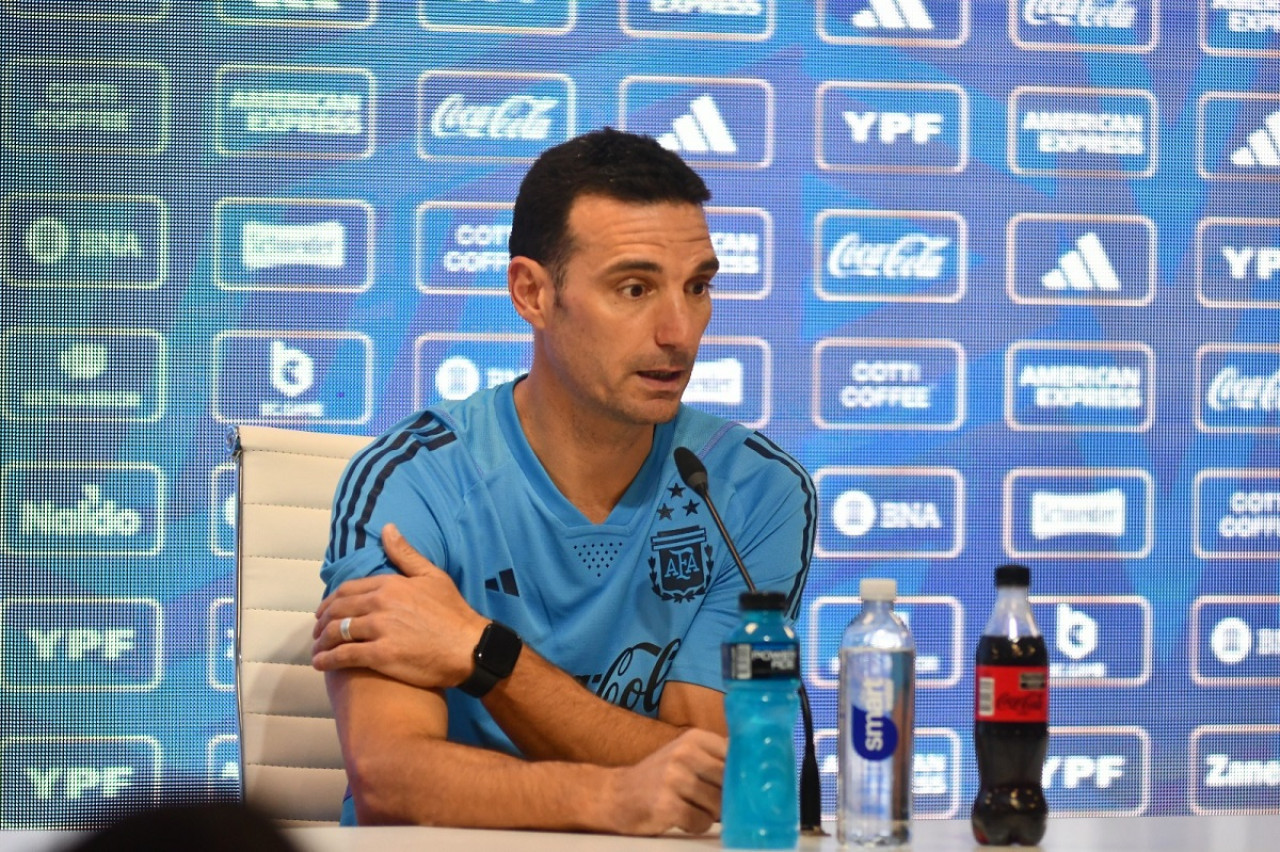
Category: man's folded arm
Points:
column 403, row 770
column 550, row 716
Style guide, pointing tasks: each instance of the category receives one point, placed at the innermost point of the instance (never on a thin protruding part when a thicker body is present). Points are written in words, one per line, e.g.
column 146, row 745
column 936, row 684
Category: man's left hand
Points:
column 414, row 627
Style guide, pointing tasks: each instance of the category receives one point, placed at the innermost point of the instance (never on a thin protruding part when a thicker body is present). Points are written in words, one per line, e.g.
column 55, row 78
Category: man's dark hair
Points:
column 610, row 163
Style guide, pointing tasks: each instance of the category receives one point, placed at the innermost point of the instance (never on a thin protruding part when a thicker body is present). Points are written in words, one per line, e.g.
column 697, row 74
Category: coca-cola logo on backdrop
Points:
column 1238, row 387
column 915, row 255
column 1232, row 389
column 517, row 117
column 493, row 115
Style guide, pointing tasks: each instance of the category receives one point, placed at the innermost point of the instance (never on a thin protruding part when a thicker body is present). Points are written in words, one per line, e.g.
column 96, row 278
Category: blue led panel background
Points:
column 1004, row 275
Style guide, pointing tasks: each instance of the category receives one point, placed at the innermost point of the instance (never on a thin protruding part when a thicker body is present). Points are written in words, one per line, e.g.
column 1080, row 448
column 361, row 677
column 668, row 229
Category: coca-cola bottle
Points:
column 1011, row 718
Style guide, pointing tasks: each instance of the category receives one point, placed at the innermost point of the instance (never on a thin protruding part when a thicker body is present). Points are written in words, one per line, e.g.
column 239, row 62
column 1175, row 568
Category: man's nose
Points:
column 679, row 321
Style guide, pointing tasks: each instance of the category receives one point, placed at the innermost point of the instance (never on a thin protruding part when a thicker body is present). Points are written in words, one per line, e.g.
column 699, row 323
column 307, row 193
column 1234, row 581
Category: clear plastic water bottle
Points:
column 760, row 805
column 876, row 716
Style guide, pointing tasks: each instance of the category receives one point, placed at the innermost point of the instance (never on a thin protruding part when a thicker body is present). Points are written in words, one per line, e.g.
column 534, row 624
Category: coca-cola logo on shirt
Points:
column 916, row 255
column 521, row 117
column 1231, row 390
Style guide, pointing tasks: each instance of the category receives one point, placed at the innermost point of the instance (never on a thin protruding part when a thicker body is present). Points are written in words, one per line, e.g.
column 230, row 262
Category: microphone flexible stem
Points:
column 810, row 778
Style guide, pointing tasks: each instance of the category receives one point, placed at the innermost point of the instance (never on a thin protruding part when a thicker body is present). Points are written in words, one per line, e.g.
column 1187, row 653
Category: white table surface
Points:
column 1104, row 834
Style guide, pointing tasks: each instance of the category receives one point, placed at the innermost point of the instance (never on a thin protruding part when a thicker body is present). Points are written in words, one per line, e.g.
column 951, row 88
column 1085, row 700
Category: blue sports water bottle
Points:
column 761, row 663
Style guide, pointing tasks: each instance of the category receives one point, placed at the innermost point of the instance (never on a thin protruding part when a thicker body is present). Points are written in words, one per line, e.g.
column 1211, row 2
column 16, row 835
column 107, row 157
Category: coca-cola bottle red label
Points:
column 1011, row 694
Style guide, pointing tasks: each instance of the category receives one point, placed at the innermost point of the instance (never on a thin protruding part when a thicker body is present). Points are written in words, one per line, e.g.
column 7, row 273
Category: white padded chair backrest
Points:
column 290, row 758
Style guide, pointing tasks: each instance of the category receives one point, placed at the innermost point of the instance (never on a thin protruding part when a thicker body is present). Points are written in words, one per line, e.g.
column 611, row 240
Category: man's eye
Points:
column 700, row 288
column 633, row 291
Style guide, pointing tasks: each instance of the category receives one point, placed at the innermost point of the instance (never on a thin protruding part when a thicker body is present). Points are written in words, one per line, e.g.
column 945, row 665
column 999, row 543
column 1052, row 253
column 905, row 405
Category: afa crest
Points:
column 682, row 566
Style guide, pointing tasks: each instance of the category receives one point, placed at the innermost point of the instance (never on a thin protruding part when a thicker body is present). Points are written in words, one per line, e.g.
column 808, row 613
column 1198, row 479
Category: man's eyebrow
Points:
column 711, row 265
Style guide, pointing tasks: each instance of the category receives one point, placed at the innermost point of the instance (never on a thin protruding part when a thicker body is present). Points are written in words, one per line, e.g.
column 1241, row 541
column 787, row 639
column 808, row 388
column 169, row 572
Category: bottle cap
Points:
column 877, row 589
column 762, row 600
column 1013, row 575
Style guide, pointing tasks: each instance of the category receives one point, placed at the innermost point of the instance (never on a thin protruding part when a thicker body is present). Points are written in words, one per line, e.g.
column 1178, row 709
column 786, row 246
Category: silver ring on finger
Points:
column 344, row 629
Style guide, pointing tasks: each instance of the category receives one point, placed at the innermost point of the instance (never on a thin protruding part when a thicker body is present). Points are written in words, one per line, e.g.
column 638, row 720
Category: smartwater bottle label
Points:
column 1011, row 694
column 772, row 661
column 875, row 736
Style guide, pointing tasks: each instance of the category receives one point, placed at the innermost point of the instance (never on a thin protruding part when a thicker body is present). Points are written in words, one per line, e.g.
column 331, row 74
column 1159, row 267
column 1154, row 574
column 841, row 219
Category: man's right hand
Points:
column 678, row 786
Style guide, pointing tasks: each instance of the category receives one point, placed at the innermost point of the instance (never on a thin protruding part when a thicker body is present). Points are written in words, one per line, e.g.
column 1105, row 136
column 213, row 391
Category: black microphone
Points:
column 694, row 474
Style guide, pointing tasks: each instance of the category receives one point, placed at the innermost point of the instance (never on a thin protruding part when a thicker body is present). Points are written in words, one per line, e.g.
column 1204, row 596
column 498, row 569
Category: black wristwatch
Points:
column 495, row 658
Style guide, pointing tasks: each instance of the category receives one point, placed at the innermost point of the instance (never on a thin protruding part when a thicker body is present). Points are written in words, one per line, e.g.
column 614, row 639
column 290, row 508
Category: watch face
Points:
column 499, row 649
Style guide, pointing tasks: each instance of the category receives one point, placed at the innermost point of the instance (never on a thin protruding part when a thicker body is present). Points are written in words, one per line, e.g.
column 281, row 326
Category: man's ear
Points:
column 531, row 289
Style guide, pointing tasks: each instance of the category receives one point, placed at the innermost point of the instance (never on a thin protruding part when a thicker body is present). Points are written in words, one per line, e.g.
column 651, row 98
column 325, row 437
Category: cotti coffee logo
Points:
column 453, row 366
column 711, row 122
column 460, row 247
column 82, row 509
column 881, row 512
column 1238, row 262
column 888, row 384
column 908, row 23
column 529, row 17
column 86, row 106
column 493, row 116
column 1235, row 641
column 318, row 377
column 1238, row 388
column 936, row 621
column 915, row 128
column 712, row 20
column 1070, row 386
column 68, row 374
column 1236, row 514
column 1100, row 26
column 1082, row 132
column 75, row 782
column 293, row 244
column 1248, row 125
column 96, row 241
column 890, row 256
column 300, row 111
column 80, row 644
column 1087, row 513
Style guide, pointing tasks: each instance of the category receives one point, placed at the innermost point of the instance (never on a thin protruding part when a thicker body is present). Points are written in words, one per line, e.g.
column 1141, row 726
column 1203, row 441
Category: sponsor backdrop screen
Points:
column 1004, row 275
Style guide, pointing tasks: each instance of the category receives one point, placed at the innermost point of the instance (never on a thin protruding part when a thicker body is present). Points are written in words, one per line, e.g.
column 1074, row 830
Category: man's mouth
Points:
column 663, row 375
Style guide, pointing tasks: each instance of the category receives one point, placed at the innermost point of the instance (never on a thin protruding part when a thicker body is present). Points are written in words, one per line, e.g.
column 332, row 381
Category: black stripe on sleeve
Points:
column 766, row 448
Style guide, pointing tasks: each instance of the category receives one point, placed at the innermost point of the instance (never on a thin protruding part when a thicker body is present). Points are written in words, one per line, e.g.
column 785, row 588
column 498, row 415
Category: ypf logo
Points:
column 919, row 128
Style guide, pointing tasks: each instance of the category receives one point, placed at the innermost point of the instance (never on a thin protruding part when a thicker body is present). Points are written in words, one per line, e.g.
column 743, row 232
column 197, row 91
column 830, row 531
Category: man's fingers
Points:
column 402, row 555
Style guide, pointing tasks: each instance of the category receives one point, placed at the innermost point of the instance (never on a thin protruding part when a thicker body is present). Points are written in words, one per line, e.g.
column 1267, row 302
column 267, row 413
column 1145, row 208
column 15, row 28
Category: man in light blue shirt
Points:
column 526, row 602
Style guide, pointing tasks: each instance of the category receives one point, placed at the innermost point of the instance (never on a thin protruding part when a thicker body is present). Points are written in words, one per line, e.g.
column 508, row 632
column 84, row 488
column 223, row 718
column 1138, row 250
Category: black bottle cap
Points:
column 1013, row 575
column 762, row 600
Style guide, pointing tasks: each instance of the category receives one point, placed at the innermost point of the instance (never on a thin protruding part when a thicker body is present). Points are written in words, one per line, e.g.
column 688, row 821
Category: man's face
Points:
column 622, row 332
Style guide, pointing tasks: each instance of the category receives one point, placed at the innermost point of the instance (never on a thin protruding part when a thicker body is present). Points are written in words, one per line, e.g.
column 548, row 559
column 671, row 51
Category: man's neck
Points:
column 591, row 460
